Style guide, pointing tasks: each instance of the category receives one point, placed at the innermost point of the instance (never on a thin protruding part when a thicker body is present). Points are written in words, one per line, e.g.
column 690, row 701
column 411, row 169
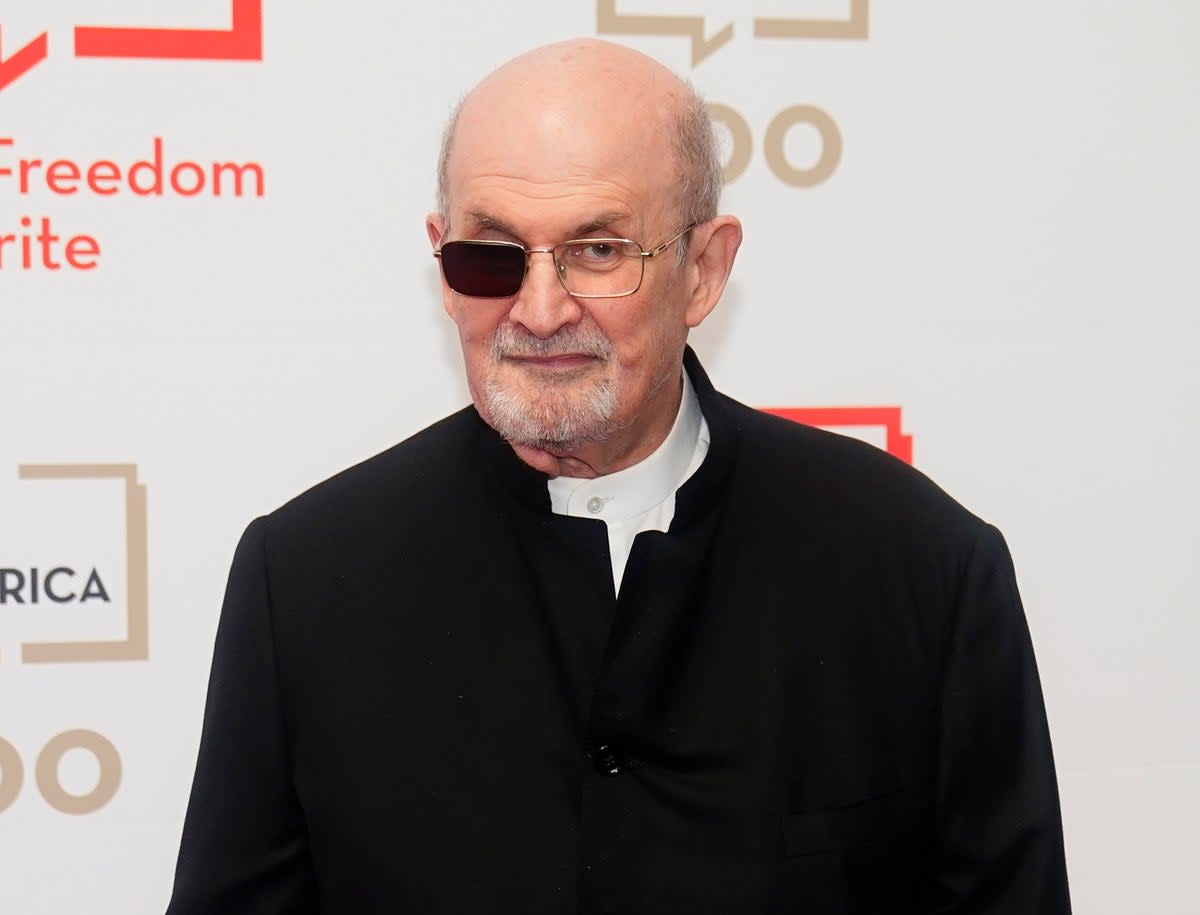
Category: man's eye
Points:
column 599, row 252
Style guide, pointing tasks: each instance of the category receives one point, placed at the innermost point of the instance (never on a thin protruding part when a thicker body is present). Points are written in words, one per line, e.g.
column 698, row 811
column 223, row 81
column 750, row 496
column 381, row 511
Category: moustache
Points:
column 510, row 341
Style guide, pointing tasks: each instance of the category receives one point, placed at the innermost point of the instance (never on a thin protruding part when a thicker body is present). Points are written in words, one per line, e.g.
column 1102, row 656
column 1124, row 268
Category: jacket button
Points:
column 606, row 760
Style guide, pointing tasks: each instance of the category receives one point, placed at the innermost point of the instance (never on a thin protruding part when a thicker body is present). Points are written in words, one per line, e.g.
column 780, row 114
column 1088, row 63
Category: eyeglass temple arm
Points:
column 670, row 241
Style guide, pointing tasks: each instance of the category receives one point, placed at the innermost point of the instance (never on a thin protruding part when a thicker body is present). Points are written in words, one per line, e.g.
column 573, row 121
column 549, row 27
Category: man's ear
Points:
column 714, row 246
column 435, row 225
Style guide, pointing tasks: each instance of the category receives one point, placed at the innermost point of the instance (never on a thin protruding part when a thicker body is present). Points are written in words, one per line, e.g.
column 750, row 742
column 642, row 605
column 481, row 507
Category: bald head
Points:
column 587, row 107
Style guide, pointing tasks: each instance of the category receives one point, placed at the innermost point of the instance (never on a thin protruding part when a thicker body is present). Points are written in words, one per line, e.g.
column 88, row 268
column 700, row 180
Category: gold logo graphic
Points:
column 609, row 22
column 12, row 772
column 855, row 26
column 774, row 148
column 136, row 644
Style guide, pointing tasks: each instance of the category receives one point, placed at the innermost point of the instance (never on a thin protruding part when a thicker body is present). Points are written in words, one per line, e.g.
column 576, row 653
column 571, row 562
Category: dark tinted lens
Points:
column 487, row 271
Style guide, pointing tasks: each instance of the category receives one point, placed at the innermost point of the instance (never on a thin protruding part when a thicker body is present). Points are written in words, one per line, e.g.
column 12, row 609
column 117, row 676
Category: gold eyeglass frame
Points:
column 560, row 268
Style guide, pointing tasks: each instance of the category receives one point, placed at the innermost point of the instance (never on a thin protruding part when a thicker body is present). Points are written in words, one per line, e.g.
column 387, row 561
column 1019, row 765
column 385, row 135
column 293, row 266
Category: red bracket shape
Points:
column 898, row 444
column 24, row 60
column 242, row 41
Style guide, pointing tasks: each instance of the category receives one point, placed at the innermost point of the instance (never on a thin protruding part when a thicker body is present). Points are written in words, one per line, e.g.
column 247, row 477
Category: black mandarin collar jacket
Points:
column 814, row 694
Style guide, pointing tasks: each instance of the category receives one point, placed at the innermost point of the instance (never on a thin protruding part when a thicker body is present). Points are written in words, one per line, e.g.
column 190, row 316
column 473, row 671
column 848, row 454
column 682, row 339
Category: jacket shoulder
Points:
column 813, row 470
column 405, row 479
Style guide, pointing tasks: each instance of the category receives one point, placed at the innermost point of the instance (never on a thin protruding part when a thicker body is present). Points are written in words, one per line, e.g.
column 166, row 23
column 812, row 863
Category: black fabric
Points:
column 815, row 694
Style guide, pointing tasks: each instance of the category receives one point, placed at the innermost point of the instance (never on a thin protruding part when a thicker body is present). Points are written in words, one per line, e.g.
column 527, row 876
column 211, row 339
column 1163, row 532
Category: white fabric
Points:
column 641, row 497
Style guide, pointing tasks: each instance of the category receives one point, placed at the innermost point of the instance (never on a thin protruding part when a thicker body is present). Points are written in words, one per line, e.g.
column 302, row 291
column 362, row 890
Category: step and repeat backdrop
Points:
column 971, row 238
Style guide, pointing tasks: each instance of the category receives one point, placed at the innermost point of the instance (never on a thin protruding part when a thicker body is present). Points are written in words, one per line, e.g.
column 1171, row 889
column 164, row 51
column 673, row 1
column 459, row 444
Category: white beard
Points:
column 555, row 421
column 551, row 417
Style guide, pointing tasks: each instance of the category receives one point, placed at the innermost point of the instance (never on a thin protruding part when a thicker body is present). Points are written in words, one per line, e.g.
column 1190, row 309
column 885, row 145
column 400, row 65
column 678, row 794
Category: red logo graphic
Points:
column 24, row 60
column 241, row 41
column 898, row 444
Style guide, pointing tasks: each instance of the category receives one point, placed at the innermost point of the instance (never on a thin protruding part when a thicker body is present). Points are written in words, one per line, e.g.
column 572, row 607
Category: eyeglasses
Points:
column 588, row 268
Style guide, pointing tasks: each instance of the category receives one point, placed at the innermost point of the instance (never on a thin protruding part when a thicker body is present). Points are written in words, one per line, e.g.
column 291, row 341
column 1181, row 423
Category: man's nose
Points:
column 543, row 305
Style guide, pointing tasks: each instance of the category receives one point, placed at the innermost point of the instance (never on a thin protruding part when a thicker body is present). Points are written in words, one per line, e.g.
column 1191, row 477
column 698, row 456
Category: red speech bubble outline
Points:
column 898, row 444
column 241, row 41
column 23, row 60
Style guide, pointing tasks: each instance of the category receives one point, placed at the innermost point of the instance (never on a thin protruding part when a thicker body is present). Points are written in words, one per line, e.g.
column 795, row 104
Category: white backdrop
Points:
column 1005, row 250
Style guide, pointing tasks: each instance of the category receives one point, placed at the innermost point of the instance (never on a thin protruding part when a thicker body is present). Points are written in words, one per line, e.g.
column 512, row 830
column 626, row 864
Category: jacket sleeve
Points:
column 1000, row 846
column 244, row 847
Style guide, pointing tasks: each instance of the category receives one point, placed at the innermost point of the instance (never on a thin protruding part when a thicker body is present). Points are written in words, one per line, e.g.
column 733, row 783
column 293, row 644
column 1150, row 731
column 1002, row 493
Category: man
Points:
column 608, row 641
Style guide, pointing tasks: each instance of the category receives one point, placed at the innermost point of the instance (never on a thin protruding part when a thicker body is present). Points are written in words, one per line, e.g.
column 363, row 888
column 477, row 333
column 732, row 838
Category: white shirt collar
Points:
column 631, row 492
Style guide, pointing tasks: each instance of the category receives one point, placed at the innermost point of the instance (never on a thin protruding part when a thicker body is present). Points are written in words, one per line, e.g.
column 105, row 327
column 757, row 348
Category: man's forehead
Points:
column 573, row 224
column 540, row 210
column 589, row 170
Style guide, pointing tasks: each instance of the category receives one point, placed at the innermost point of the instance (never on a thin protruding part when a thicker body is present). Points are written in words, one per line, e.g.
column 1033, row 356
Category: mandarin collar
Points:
column 628, row 493
column 517, row 480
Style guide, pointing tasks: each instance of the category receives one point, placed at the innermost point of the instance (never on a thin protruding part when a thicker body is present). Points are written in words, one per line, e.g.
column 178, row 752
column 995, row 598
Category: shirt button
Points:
column 595, row 505
column 606, row 761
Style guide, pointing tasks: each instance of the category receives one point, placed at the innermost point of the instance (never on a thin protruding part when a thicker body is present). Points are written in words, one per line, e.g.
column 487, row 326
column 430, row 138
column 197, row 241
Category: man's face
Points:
column 545, row 368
